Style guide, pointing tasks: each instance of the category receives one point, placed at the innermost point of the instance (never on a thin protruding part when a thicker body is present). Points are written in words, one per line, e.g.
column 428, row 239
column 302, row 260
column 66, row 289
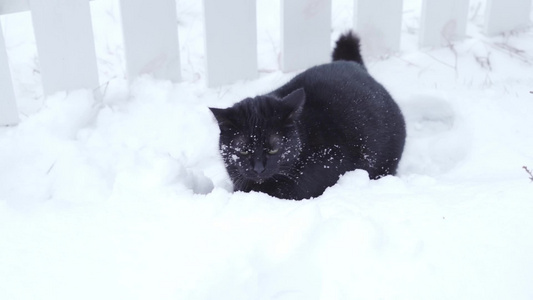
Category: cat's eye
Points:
column 244, row 152
column 273, row 151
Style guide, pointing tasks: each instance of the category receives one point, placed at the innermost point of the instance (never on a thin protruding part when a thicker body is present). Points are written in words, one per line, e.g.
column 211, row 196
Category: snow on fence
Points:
column 65, row 43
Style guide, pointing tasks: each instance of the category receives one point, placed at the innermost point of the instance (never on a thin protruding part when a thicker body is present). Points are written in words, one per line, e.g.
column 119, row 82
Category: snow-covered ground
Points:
column 127, row 198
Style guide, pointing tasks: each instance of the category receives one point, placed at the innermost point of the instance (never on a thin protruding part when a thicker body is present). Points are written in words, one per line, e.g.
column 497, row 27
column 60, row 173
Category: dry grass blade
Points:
column 529, row 172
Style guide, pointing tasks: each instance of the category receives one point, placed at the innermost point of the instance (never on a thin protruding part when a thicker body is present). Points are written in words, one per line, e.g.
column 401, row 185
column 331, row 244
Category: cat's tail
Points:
column 348, row 48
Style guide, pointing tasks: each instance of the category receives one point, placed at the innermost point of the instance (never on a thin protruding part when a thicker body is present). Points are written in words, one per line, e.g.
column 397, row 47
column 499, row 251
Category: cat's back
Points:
column 346, row 107
column 344, row 93
column 337, row 83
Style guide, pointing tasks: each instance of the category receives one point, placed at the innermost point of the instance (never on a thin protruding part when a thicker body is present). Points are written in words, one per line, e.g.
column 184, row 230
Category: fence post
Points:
column 379, row 23
column 305, row 33
column 230, row 40
column 8, row 106
column 150, row 31
column 443, row 21
column 506, row 15
column 65, row 44
column 12, row 6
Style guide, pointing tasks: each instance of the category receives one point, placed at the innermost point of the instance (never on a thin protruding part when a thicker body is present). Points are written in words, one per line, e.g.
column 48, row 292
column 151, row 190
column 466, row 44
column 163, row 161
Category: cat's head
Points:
column 259, row 136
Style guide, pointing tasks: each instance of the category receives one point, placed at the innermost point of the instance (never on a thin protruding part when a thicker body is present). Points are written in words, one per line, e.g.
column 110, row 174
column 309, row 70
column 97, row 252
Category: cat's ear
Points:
column 223, row 117
column 295, row 102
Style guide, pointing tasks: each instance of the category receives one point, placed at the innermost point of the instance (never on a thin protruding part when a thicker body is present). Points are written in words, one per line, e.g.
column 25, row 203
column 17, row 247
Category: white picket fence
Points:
column 65, row 43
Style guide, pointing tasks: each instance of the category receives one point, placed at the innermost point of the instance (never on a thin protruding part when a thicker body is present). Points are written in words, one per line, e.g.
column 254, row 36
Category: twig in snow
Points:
column 484, row 62
column 51, row 167
column 529, row 172
column 441, row 61
column 513, row 52
column 487, row 82
column 104, row 86
column 476, row 12
column 456, row 56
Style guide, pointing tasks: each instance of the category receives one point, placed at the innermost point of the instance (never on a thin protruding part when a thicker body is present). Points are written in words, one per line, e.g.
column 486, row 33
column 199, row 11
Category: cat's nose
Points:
column 259, row 167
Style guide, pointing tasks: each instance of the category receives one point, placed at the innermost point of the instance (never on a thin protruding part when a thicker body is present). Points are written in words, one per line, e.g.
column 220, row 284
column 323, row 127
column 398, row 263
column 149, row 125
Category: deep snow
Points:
column 127, row 198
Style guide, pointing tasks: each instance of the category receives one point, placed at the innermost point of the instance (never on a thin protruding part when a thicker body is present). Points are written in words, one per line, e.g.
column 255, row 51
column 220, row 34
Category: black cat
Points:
column 298, row 140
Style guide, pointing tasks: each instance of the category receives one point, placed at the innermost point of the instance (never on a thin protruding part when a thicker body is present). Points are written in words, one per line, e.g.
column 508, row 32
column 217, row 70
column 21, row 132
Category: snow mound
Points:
column 126, row 197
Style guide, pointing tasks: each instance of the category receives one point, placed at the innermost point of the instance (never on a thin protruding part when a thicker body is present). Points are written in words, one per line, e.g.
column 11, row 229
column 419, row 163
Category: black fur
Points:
column 348, row 47
column 298, row 140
